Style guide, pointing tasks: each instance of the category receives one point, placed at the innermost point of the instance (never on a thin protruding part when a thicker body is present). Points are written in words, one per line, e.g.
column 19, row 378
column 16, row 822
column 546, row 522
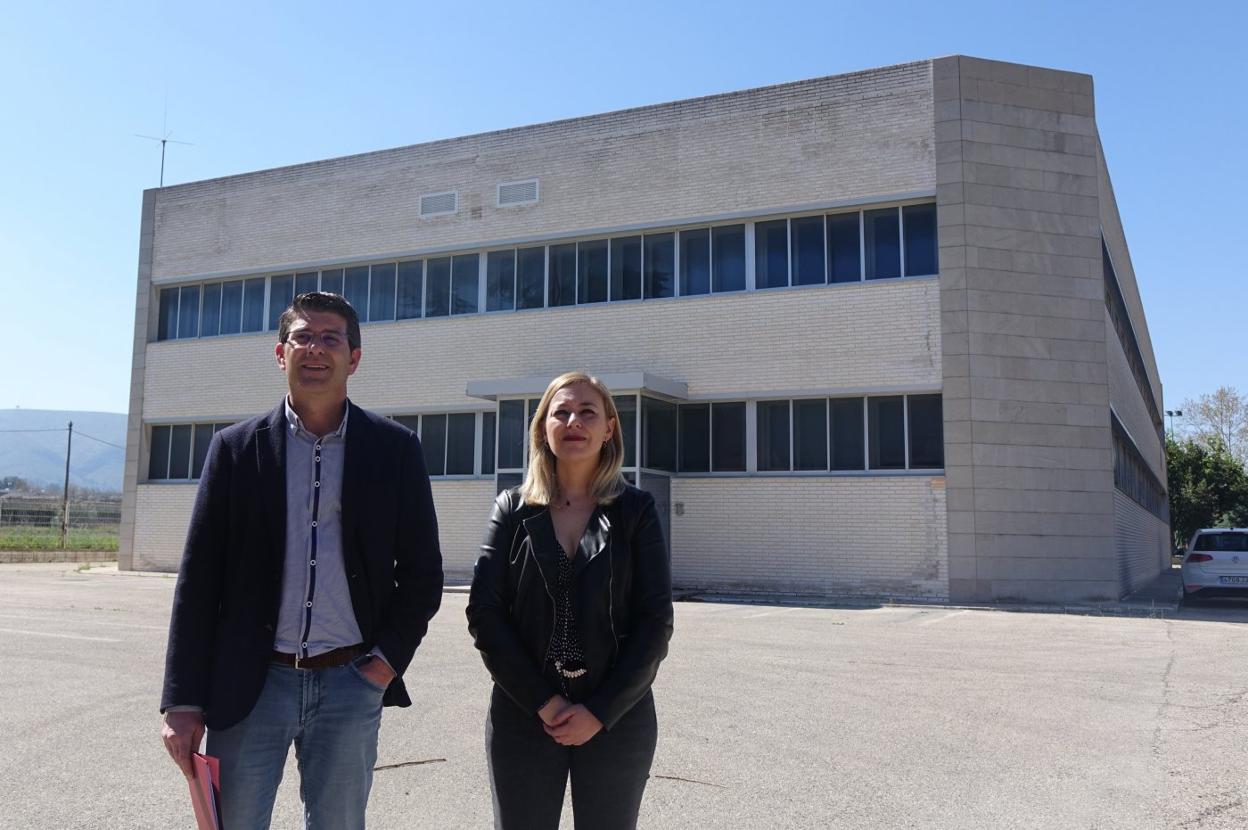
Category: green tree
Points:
column 1208, row 487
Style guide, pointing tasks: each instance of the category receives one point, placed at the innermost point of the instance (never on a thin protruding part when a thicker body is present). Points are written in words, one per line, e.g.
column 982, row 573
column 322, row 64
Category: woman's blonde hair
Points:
column 540, row 483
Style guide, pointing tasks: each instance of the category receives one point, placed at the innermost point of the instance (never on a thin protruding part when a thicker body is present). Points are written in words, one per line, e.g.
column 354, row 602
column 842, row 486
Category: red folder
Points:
column 206, row 791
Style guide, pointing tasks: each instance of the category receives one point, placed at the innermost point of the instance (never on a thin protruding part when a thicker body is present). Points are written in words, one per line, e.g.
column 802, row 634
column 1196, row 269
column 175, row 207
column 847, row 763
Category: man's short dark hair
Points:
column 320, row 301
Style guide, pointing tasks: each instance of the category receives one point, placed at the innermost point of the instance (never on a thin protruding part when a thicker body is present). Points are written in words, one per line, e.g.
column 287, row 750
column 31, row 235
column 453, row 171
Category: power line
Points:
column 61, row 429
column 101, row 440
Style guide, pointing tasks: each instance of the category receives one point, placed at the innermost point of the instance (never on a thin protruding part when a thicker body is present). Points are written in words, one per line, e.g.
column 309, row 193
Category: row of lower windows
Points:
column 1133, row 477
column 883, row 243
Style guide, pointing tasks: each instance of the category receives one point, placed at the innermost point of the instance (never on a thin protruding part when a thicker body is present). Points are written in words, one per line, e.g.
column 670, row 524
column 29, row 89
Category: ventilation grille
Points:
column 517, row 193
column 434, row 204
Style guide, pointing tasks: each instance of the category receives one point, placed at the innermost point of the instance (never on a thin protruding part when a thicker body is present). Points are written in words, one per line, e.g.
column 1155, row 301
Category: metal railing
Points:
column 41, row 523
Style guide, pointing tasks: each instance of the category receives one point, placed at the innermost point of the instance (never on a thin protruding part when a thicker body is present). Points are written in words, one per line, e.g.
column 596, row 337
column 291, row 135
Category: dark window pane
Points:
column 331, row 281
column 626, row 407
column 381, row 292
column 281, row 293
column 808, row 251
column 533, row 402
column 846, row 433
column 433, row 441
column 919, row 222
column 253, row 304
column 167, row 327
column 158, row 463
column 728, row 245
column 695, row 438
column 927, row 442
column 218, row 427
column 810, row 435
column 465, row 283
column 231, row 307
column 500, row 281
column 180, row 452
column 660, row 265
column 592, row 271
column 727, row 437
column 626, row 268
column 886, row 433
column 210, row 314
column 843, row 248
column 511, row 435
column 188, row 311
column 355, row 288
column 695, row 262
column 773, row 435
column 461, row 439
column 771, row 254
column 530, row 277
column 438, row 287
column 412, row 422
column 487, row 443
column 562, row 275
column 658, row 427
column 409, row 291
column 203, row 435
column 883, row 243
column 305, row 282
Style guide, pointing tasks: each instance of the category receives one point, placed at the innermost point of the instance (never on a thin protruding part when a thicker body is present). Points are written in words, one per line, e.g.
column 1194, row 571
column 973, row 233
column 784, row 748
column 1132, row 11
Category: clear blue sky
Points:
column 259, row 85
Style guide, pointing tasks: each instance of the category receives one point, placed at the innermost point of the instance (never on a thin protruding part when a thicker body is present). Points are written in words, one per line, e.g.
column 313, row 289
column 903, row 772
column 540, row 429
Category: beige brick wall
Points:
column 463, row 509
column 162, row 516
column 841, row 536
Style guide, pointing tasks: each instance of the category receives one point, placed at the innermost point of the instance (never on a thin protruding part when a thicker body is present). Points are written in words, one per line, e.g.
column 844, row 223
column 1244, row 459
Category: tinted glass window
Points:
column 810, row 435
column 626, row 268
column 188, row 311
column 771, row 254
column 844, row 264
column 461, row 440
column 281, row 293
column 412, row 422
column 773, row 435
column 728, row 248
column 408, row 293
column 305, row 282
column 886, row 433
column 433, row 440
column 210, row 315
column 845, row 431
column 381, row 292
column 500, row 281
column 253, row 304
column 487, row 443
column 180, row 451
column 231, row 307
column 660, row 265
column 562, row 275
column 883, row 243
column 927, row 444
column 695, row 262
column 658, row 426
column 1222, row 541
column 511, row 435
column 465, row 284
column 919, row 222
column 808, row 240
column 531, row 277
column 167, row 326
column 592, row 271
column 727, row 437
column 158, row 463
column 626, row 406
column 355, row 289
column 695, row 438
column 331, row 281
column 438, row 287
column 203, row 436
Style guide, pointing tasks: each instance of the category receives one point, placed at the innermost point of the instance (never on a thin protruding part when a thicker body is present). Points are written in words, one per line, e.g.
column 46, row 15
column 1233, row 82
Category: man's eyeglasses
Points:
column 329, row 340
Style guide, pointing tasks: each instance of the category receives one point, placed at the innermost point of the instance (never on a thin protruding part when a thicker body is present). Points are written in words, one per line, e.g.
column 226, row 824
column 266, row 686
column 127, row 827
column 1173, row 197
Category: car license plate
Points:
column 1233, row 580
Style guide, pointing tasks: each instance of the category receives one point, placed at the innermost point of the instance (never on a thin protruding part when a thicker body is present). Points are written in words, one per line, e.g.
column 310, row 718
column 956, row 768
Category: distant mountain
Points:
column 39, row 457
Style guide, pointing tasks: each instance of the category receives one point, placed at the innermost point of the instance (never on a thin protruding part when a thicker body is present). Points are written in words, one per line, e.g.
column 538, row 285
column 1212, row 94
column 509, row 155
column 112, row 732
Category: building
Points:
column 875, row 334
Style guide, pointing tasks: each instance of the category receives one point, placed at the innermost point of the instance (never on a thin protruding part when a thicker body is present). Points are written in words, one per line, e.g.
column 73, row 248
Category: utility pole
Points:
column 69, row 444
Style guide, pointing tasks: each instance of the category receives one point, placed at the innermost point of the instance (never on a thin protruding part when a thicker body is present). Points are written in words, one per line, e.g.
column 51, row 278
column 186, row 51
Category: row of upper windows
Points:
column 1133, row 477
column 883, row 243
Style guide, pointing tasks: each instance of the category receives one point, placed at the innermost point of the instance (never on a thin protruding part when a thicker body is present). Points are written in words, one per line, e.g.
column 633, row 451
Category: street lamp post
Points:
column 1173, row 413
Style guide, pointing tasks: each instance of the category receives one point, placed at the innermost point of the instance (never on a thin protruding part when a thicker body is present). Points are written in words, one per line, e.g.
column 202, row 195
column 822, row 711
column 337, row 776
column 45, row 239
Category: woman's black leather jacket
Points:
column 621, row 599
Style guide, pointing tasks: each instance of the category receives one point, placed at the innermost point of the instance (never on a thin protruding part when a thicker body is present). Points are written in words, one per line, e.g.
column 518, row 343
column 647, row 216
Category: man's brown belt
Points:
column 328, row 660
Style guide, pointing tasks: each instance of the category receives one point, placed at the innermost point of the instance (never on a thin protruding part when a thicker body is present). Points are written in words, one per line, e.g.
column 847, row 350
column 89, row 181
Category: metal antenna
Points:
column 163, row 141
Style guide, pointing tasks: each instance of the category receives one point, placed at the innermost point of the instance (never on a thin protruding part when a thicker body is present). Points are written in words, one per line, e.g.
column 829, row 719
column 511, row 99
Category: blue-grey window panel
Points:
column 438, row 287
column 487, row 443
column 626, row 268
column 659, row 265
column 563, row 274
column 533, row 403
column 511, row 435
column 695, row 438
column 461, row 441
column 658, row 428
column 167, row 324
column 591, row 265
column 253, row 304
column 882, row 236
column 203, row 436
column 844, row 248
column 919, row 223
column 771, row 254
column 886, row 433
column 810, row 434
column 188, row 311
column 381, row 292
column 845, row 433
column 218, row 427
column 158, row 461
column 695, row 262
column 410, row 289
column 210, row 314
column 412, row 422
column 808, row 260
column 465, row 283
column 355, row 289
column 306, row 282
column 773, row 435
column 231, row 307
column 727, row 437
column 531, row 277
column 508, row 481
column 629, row 477
column 500, row 281
column 433, row 442
column 281, row 294
column 626, row 408
column 180, row 452
column 331, row 281
column 927, row 436
column 728, row 252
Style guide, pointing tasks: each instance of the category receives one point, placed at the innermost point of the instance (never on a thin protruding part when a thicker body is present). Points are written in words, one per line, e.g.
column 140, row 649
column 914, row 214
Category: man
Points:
column 310, row 574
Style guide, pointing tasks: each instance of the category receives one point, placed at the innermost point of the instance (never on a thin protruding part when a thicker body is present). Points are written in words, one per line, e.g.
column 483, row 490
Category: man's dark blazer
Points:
column 229, row 587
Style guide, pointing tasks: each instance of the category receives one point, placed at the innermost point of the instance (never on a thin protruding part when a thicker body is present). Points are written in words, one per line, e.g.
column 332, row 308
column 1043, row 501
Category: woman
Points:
column 571, row 608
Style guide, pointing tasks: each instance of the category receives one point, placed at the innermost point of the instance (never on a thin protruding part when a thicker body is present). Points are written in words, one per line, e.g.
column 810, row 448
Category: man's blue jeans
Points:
column 332, row 717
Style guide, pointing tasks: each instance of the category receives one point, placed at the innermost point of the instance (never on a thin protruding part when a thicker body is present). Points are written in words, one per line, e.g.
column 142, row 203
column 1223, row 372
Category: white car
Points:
column 1217, row 558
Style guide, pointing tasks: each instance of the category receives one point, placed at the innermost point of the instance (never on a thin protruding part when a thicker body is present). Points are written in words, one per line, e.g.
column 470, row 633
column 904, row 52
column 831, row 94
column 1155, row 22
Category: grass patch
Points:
column 49, row 538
